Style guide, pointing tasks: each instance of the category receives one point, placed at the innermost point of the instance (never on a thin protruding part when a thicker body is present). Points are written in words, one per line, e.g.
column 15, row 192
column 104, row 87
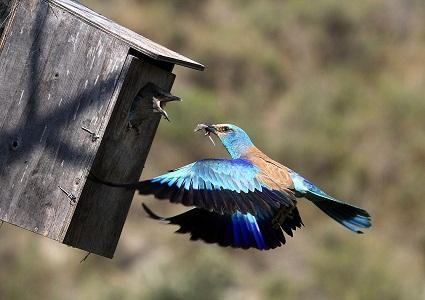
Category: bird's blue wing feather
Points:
column 222, row 185
column 237, row 230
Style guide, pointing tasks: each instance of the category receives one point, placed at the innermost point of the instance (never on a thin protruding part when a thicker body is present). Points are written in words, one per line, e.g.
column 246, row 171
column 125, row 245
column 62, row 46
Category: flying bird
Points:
column 246, row 201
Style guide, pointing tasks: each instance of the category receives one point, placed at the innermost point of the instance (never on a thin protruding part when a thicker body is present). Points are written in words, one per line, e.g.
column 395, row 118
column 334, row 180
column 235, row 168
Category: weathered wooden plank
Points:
column 102, row 210
column 5, row 6
column 134, row 40
column 57, row 74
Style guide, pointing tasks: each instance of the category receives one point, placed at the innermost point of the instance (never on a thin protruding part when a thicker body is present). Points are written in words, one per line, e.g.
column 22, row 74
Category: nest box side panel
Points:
column 5, row 6
column 57, row 75
column 102, row 210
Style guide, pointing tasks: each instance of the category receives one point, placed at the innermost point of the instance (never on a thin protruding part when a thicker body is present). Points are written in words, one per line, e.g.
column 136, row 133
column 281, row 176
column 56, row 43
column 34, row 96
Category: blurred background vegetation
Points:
column 333, row 89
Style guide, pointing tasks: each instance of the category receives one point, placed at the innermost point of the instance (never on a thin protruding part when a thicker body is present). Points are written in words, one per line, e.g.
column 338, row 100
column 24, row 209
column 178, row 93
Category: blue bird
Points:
column 247, row 201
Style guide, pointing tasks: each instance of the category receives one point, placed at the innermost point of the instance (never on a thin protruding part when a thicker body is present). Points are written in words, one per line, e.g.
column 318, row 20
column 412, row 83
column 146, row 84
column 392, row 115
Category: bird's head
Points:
column 152, row 90
column 158, row 98
column 233, row 138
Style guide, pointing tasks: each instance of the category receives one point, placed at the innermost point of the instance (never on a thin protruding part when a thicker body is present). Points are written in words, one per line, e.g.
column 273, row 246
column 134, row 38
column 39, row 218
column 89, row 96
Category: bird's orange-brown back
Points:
column 274, row 174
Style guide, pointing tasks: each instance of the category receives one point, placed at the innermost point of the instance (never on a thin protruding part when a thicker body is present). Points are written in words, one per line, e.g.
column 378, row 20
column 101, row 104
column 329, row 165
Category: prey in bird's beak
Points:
column 160, row 99
column 208, row 129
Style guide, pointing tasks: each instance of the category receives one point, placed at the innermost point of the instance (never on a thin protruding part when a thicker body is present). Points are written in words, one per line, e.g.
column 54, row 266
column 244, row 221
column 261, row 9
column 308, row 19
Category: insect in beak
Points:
column 208, row 129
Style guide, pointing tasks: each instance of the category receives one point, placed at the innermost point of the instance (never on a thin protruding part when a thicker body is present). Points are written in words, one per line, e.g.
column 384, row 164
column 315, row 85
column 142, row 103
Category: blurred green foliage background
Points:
column 333, row 89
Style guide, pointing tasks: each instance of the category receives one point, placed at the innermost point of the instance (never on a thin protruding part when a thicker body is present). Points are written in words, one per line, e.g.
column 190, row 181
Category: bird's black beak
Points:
column 167, row 97
column 207, row 128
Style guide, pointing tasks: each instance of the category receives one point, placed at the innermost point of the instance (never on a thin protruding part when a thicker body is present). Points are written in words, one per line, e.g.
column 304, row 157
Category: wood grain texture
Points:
column 57, row 74
column 102, row 210
column 5, row 7
column 134, row 40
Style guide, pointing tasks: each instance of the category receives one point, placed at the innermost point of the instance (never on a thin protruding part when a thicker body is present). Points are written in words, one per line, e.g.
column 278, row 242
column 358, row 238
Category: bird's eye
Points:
column 226, row 129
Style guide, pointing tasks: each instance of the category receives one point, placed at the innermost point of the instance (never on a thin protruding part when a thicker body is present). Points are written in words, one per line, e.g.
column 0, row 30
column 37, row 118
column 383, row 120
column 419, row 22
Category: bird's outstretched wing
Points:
column 221, row 185
column 236, row 230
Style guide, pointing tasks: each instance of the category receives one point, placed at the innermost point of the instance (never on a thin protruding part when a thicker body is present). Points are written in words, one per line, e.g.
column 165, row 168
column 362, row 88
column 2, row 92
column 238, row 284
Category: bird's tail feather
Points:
column 237, row 230
column 350, row 216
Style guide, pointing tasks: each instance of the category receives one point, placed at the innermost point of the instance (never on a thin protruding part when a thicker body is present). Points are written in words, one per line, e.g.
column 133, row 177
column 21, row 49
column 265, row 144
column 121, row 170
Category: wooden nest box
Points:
column 68, row 78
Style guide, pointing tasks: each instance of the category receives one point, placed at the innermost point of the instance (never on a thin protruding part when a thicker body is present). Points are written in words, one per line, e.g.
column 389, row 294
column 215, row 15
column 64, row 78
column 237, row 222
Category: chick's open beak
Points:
column 160, row 101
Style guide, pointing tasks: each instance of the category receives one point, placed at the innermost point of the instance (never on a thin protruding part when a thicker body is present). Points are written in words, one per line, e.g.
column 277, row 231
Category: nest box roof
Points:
column 134, row 40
